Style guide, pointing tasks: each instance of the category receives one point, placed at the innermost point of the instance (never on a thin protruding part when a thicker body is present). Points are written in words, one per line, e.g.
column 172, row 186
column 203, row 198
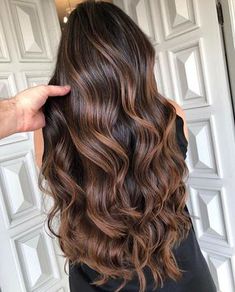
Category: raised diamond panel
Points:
column 4, row 54
column 141, row 12
column 208, row 205
column 18, row 181
column 144, row 18
column 31, row 40
column 7, row 85
column 30, row 31
column 222, row 270
column 35, row 254
column 34, row 78
column 202, row 159
column 188, row 75
column 179, row 16
column 158, row 75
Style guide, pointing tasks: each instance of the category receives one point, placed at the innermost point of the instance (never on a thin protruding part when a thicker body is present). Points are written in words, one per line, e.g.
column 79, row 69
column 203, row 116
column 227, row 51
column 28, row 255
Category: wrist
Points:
column 8, row 117
column 19, row 114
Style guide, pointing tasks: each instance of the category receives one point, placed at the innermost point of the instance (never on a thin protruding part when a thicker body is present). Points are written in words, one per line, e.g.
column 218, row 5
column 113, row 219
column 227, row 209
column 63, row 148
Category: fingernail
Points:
column 67, row 87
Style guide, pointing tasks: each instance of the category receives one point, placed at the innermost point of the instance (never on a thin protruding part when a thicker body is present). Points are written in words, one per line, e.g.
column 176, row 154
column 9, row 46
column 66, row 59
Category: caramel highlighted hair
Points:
column 111, row 160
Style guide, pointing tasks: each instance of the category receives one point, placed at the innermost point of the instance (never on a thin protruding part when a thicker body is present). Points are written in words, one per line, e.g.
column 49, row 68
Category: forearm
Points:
column 8, row 117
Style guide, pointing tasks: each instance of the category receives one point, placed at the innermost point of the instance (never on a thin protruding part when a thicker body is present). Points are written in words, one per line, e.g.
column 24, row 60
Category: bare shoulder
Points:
column 178, row 108
column 181, row 113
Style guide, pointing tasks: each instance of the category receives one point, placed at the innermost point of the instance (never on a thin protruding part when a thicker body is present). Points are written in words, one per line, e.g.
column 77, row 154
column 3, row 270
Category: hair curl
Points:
column 111, row 159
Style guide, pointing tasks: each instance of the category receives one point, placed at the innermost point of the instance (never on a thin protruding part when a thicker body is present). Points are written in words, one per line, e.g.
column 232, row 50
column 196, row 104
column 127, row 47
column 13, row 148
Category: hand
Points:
column 28, row 103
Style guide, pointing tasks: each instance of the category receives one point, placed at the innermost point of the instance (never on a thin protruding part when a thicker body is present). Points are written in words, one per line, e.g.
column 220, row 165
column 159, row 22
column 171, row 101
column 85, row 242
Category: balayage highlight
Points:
column 111, row 159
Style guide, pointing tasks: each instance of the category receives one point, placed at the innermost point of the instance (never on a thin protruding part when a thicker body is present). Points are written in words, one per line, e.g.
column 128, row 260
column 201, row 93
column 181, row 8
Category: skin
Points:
column 38, row 138
column 23, row 113
column 181, row 113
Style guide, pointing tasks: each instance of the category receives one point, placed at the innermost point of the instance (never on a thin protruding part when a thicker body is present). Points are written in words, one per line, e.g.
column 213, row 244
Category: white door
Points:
column 190, row 68
column 30, row 259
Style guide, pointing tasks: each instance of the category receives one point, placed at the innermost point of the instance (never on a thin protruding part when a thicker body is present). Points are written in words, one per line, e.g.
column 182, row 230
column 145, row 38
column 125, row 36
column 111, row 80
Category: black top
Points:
column 196, row 277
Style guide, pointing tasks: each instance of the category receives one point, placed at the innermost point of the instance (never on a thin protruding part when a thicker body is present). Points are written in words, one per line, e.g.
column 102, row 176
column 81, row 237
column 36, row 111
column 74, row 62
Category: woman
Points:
column 113, row 159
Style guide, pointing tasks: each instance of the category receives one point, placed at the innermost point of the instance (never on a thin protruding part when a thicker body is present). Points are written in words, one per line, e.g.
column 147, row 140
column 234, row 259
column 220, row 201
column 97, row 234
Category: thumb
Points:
column 38, row 122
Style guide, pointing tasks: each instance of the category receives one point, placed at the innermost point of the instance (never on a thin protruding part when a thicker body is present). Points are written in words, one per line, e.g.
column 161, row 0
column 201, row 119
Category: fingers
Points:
column 54, row 90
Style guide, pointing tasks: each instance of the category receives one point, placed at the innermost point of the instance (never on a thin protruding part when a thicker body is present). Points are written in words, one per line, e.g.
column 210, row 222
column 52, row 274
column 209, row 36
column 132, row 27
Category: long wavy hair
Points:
column 111, row 161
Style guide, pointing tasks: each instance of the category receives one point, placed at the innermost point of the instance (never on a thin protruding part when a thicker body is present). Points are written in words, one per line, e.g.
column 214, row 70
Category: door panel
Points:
column 31, row 34
column 190, row 68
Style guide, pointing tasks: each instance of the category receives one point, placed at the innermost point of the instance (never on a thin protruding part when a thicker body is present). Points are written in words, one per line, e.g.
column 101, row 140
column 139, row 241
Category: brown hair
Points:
column 111, row 159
